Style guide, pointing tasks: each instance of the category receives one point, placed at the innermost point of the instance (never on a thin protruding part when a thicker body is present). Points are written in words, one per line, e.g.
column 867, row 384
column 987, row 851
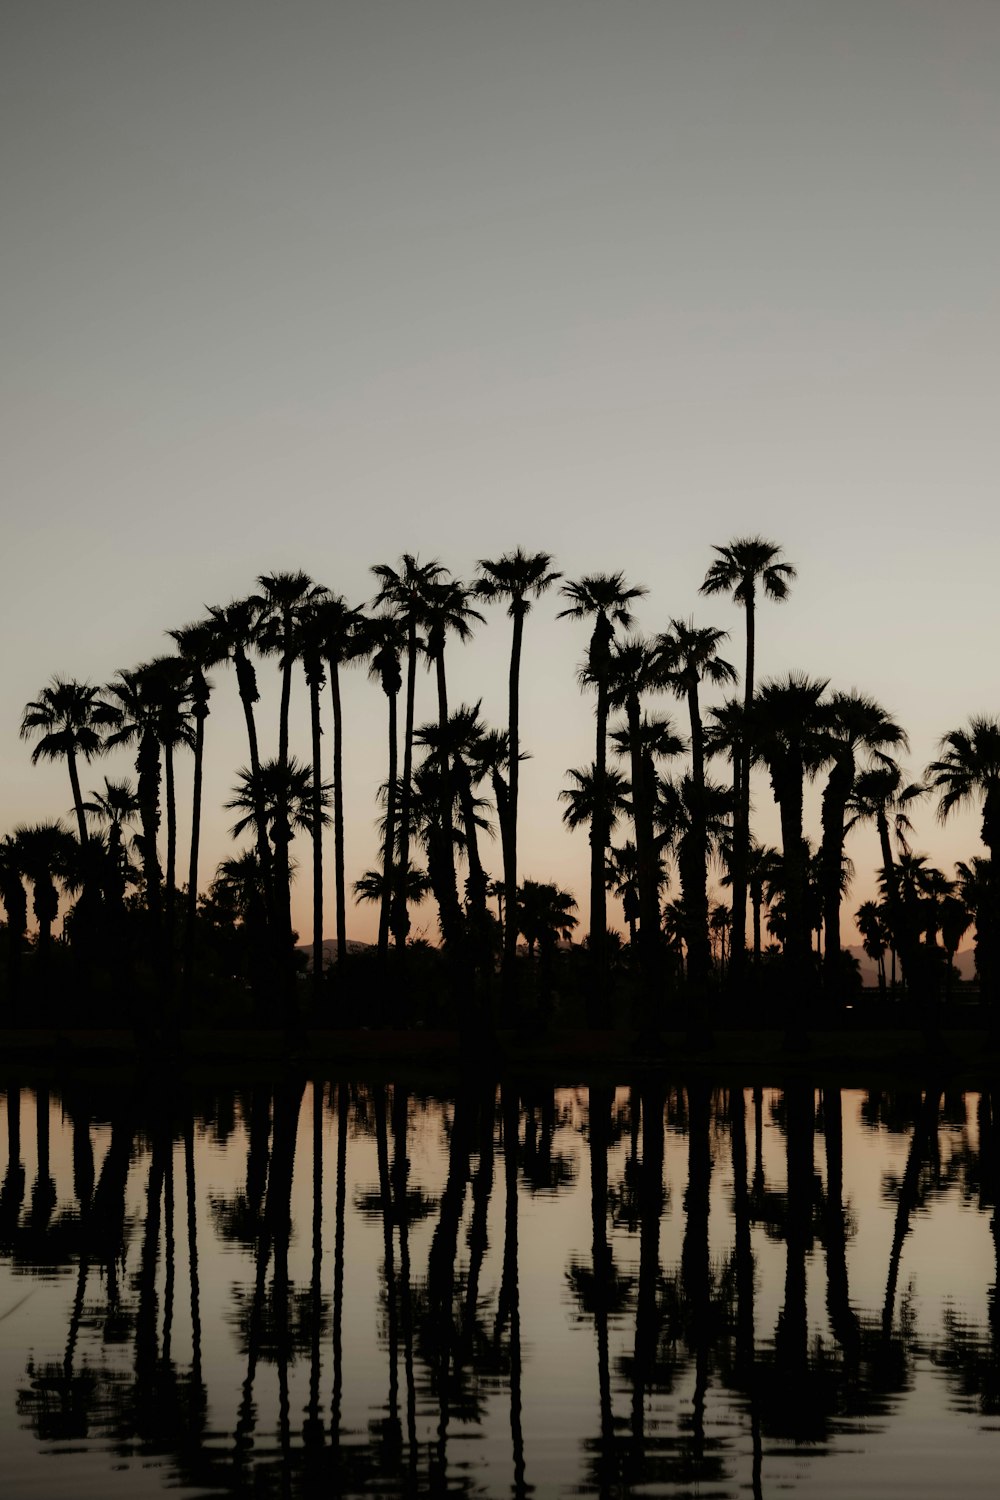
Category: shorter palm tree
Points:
column 49, row 857
column 69, row 719
column 15, row 901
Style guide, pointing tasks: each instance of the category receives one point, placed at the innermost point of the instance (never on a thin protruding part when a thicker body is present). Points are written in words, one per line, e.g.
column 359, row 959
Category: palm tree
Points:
column 605, row 598
column 372, row 886
column 308, row 647
column 787, row 725
column 446, row 611
column 47, row 854
column 169, row 683
column 237, row 627
column 968, row 772
column 285, row 792
column 746, row 564
column 544, row 915
column 116, row 807
column 136, row 722
column 872, row 928
column 199, row 648
column 15, row 900
column 463, row 748
column 855, row 724
column 384, row 636
column 621, row 879
column 68, row 718
column 879, row 793
column 517, row 578
column 342, row 640
column 283, row 596
column 583, row 796
column 689, row 656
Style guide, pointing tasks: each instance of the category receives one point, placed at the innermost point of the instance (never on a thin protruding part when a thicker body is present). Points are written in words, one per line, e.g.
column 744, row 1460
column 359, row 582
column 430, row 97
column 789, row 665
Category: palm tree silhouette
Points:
column 855, row 724
column 517, row 578
column 447, row 610
column 742, row 567
column 236, row 627
column 879, row 793
column 47, row 854
column 341, row 637
column 635, row 672
column 605, row 598
column 404, row 592
column 383, row 638
column 199, row 648
column 15, row 900
column 787, row 726
column 968, row 772
column 688, row 655
column 308, row 646
column 68, row 718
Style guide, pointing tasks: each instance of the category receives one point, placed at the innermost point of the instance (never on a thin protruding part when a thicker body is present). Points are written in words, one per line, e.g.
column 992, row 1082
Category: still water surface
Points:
column 351, row 1289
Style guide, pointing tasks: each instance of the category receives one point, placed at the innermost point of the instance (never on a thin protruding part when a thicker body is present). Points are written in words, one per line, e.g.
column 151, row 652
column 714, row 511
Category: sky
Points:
column 311, row 285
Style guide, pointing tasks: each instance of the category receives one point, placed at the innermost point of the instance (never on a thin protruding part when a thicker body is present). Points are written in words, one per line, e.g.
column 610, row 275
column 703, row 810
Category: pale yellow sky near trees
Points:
column 310, row 285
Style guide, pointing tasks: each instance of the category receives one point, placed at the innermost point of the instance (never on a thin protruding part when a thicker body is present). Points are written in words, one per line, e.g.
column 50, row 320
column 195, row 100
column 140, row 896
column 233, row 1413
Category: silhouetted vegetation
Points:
column 139, row 948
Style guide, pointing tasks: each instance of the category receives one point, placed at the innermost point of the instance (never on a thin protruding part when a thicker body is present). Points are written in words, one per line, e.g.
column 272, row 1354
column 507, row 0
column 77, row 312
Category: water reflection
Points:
column 344, row 1288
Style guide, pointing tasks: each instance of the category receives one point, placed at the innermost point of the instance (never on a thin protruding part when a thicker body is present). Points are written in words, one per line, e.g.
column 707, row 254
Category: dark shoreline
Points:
column 852, row 1059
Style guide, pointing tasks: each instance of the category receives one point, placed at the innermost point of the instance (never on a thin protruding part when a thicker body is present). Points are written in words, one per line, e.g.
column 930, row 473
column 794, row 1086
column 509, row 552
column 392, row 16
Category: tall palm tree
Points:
column 787, row 724
column 855, row 724
column 605, row 598
column 689, row 656
column 404, row 591
column 744, row 566
column 515, row 578
column 68, row 718
column 199, row 648
column 237, row 627
column 966, row 773
column 341, row 633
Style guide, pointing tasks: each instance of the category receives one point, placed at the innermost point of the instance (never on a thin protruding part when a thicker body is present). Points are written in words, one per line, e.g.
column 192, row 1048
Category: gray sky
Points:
column 311, row 284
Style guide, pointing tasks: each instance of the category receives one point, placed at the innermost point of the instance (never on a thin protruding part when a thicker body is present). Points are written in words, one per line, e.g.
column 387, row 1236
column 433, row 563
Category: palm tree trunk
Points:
column 388, row 847
column 171, row 886
column 451, row 911
column 246, row 682
column 287, row 654
column 201, row 712
column 400, row 917
column 645, row 860
column 147, row 766
column 696, row 886
column 509, row 970
column 317, row 830
column 598, row 844
column 74, row 781
column 741, row 813
column 831, row 867
column 338, row 810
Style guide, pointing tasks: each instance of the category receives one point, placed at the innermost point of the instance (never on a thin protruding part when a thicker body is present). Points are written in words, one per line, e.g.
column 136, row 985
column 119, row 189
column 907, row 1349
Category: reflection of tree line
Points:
column 450, row 1344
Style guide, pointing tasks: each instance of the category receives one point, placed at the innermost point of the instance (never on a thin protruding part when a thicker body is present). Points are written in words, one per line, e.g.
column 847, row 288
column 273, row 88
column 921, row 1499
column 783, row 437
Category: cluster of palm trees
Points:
column 450, row 775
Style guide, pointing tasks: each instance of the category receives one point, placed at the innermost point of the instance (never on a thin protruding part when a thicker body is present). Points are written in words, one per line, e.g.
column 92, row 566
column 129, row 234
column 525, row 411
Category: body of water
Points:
column 353, row 1289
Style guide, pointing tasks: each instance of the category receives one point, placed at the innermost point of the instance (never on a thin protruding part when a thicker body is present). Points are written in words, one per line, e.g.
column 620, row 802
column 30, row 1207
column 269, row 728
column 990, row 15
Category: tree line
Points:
column 447, row 780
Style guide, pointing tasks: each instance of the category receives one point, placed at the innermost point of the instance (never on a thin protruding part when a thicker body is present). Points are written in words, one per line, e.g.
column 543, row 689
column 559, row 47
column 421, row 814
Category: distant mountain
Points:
column 330, row 949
